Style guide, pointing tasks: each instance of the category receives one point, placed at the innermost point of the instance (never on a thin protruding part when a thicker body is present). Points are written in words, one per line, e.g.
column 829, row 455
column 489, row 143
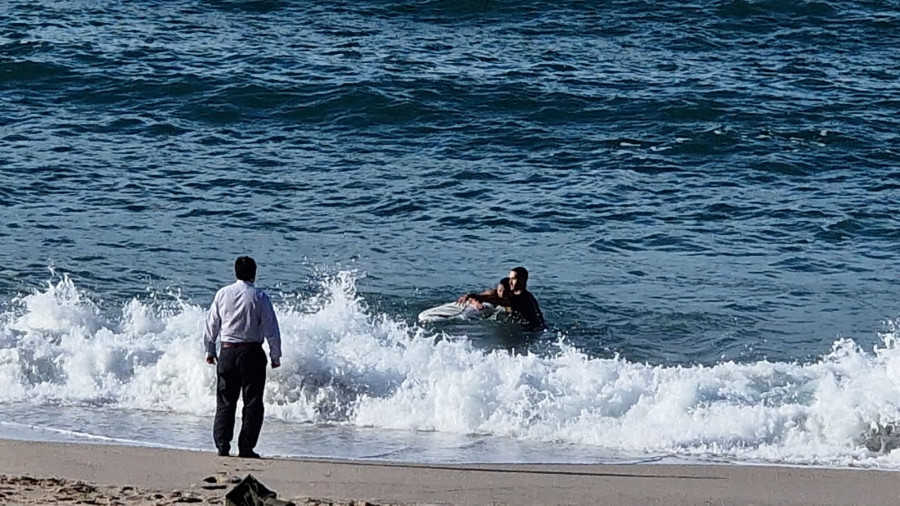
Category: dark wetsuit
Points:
column 525, row 307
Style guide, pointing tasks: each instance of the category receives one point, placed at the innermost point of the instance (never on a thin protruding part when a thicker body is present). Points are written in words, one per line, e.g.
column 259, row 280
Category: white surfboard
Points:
column 453, row 310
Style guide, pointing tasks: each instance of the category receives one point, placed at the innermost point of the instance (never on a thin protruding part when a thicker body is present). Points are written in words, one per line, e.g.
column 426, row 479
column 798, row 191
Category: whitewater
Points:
column 357, row 383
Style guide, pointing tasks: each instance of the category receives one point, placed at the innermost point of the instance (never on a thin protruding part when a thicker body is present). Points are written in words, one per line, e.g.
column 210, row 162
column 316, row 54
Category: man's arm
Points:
column 271, row 331
column 211, row 330
column 485, row 296
column 491, row 297
column 538, row 312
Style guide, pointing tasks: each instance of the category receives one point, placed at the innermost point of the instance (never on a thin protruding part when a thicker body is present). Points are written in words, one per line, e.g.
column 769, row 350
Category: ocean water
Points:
column 705, row 194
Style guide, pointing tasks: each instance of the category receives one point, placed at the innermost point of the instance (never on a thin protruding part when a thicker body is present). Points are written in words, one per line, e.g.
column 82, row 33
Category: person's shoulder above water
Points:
column 524, row 306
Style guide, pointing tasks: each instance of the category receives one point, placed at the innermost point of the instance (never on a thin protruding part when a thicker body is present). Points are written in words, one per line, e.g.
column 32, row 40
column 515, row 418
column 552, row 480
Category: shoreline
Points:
column 155, row 476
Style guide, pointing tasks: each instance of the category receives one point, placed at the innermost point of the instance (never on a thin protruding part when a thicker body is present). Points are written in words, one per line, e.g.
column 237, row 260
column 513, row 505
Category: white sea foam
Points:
column 345, row 365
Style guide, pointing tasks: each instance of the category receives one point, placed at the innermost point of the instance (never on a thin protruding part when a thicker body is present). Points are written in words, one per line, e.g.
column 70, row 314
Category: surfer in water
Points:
column 517, row 300
column 497, row 296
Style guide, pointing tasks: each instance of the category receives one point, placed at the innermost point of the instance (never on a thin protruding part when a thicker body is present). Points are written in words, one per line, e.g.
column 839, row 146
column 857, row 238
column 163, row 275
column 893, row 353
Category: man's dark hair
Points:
column 245, row 269
column 522, row 275
column 505, row 283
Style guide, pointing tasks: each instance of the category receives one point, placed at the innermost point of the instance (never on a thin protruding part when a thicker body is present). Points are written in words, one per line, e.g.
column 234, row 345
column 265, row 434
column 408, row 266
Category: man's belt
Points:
column 240, row 345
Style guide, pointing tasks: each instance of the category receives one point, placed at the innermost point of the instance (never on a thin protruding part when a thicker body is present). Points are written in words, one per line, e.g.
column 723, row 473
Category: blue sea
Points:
column 705, row 194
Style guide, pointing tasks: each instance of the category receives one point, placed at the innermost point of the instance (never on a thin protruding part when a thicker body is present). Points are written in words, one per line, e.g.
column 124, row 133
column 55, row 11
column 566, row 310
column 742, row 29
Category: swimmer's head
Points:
column 503, row 288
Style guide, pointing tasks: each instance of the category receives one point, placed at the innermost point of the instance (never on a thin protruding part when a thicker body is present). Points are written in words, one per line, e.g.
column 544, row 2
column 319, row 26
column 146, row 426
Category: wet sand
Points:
column 57, row 473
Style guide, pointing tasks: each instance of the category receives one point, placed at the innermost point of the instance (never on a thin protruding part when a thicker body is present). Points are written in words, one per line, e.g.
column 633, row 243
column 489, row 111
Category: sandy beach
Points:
column 56, row 473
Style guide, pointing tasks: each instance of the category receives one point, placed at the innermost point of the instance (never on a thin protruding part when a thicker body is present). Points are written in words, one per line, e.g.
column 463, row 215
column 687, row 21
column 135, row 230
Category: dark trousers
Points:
column 241, row 370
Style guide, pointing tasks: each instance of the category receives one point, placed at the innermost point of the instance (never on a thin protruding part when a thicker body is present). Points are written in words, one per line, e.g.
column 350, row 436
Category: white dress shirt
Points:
column 241, row 313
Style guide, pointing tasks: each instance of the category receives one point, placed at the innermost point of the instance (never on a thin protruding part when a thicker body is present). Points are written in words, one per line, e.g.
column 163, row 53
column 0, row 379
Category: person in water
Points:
column 520, row 303
column 497, row 296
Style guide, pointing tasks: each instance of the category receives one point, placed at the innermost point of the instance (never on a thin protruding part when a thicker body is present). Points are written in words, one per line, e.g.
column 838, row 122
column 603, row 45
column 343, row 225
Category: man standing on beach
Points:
column 242, row 315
